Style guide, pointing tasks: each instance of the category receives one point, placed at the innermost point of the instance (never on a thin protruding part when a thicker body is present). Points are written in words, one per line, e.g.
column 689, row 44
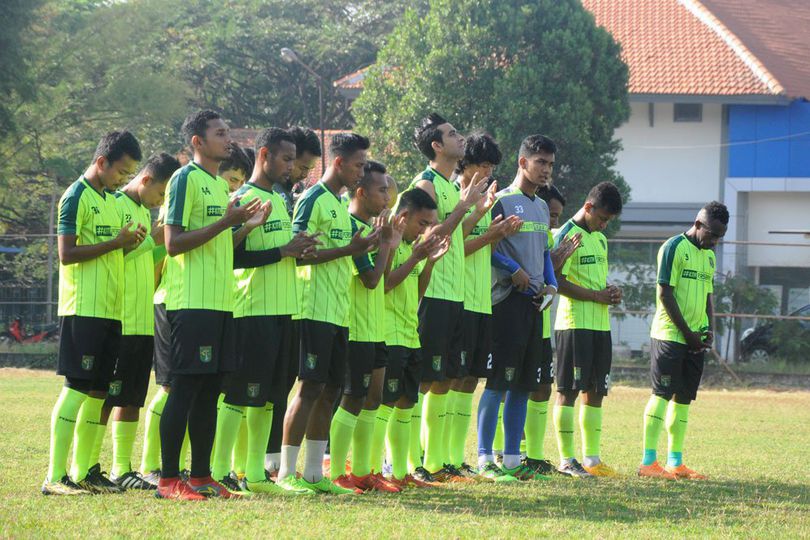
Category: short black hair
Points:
column 368, row 175
column 479, row 148
column 427, row 133
column 160, row 167
column 606, row 196
column 717, row 211
column 345, row 144
column 416, row 199
column 550, row 193
column 305, row 141
column 196, row 123
column 534, row 144
column 251, row 154
column 271, row 137
column 237, row 160
column 115, row 144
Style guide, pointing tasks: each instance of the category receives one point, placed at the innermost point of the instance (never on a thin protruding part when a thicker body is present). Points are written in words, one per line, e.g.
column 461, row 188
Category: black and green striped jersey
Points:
column 201, row 278
column 367, row 313
column 689, row 270
column 270, row 289
column 588, row 268
column 91, row 288
column 402, row 303
column 325, row 286
column 139, row 272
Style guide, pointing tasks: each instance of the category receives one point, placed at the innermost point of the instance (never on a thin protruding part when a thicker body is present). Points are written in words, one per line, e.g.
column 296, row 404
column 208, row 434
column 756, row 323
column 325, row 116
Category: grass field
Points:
column 752, row 444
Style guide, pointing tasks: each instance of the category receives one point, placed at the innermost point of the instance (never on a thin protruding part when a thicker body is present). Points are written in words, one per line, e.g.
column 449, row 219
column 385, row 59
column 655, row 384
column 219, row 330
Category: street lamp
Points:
column 289, row 56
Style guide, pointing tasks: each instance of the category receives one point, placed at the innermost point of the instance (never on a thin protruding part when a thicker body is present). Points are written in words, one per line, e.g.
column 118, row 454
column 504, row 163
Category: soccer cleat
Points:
column 231, row 484
column 177, row 489
column 600, row 469
column 573, row 469
column 266, row 487
column 295, row 484
column 450, row 475
column 422, row 474
column 655, row 470
column 324, row 485
column 153, row 477
column 374, row 482
column 468, row 472
column 132, row 480
column 521, row 472
column 347, row 482
column 208, row 487
column 542, row 467
column 493, row 473
column 64, row 486
column 682, row 471
column 96, row 481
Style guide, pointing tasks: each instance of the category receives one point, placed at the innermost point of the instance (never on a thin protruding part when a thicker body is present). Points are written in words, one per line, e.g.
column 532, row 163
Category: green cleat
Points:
column 266, row 487
column 521, row 472
column 324, row 485
column 493, row 473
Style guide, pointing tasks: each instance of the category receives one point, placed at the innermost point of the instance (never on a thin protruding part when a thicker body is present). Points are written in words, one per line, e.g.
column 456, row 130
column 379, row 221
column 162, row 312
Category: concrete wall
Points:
column 778, row 211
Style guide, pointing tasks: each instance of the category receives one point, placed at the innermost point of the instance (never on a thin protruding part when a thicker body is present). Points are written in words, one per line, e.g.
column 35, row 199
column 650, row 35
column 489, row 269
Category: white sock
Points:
column 313, row 464
column 511, row 461
column 289, row 456
column 484, row 459
column 272, row 461
column 591, row 461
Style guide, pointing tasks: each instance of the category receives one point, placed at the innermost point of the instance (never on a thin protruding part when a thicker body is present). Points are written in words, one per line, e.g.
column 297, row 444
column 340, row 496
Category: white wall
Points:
column 671, row 174
column 778, row 211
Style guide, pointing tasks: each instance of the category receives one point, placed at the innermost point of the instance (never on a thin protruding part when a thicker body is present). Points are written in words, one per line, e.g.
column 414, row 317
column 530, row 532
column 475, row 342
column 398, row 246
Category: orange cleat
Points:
column 374, row 482
column 600, row 469
column 175, row 488
column 409, row 481
column 682, row 471
column 347, row 482
column 655, row 471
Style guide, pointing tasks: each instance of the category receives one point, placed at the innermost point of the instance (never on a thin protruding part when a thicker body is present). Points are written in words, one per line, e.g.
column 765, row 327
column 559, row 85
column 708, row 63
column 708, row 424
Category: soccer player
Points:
column 324, row 313
column 199, row 303
column 91, row 245
column 523, row 275
column 582, row 332
column 440, row 321
column 353, row 422
column 237, row 168
column 681, row 333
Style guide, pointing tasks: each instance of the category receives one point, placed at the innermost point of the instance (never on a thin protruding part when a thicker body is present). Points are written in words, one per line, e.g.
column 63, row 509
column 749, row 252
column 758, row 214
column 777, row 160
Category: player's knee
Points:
column 543, row 393
column 567, row 398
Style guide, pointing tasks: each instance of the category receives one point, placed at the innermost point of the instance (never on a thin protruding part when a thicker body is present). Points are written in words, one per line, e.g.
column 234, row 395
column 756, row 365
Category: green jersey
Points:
column 91, row 288
column 270, row 289
column 448, row 270
column 402, row 303
column 689, row 270
column 325, row 286
column 139, row 272
column 588, row 268
column 201, row 278
column 478, row 271
column 367, row 313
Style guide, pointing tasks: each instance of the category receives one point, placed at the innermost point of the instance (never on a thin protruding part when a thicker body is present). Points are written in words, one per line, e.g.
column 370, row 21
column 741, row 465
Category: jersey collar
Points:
column 125, row 194
column 102, row 193
column 437, row 173
column 200, row 167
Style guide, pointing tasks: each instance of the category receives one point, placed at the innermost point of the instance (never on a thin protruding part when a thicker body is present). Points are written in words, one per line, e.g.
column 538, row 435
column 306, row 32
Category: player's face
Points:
column 709, row 234
column 152, row 193
column 452, row 146
column 302, row 166
column 116, row 174
column 484, row 170
column 417, row 223
column 555, row 210
column 537, row 168
column 216, row 141
column 351, row 168
column 393, row 191
column 376, row 198
column 597, row 219
column 234, row 177
column 279, row 164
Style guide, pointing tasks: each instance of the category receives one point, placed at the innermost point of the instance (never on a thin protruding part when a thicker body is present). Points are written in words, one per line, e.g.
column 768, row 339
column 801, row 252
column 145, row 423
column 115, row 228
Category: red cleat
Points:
column 175, row 488
column 208, row 487
column 374, row 482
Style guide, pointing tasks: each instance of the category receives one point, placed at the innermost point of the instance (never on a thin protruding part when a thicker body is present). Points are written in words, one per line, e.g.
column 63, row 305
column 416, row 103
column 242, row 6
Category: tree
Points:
column 510, row 67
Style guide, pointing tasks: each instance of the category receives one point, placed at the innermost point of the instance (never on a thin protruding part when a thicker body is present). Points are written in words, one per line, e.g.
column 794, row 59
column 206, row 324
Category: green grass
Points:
column 752, row 444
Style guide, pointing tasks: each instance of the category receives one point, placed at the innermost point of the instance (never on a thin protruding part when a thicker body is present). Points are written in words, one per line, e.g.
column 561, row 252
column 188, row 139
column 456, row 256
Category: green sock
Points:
column 399, row 430
column 590, row 424
column 63, row 423
column 414, row 441
column 87, row 423
column 340, row 440
column 150, row 461
column 433, row 420
column 185, row 452
column 497, row 442
column 239, row 457
column 653, row 422
column 258, row 421
column 535, row 429
column 677, row 419
column 228, row 420
column 361, row 442
column 378, row 437
column 564, row 427
column 460, row 426
column 123, row 434
column 446, row 440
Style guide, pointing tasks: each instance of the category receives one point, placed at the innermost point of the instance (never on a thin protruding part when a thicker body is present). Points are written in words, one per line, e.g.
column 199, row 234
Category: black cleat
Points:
column 132, row 480
column 573, row 469
column 539, row 466
column 423, row 475
column 96, row 481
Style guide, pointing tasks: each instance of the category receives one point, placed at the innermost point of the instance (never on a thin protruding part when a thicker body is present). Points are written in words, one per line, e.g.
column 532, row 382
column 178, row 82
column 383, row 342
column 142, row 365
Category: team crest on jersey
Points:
column 206, row 353
column 463, row 358
column 87, row 362
column 253, row 390
column 577, row 373
column 214, row 210
column 312, row 360
column 393, row 385
column 510, row 374
column 437, row 363
column 115, row 388
column 366, row 380
column 666, row 380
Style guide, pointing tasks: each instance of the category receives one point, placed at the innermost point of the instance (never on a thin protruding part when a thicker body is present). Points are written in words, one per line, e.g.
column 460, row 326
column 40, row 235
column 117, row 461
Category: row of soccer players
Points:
column 401, row 314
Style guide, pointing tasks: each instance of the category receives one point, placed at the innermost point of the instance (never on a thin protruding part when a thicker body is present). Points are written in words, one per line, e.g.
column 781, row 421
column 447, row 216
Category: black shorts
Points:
column 546, row 370
column 441, row 335
column 584, row 358
column 263, row 345
column 324, row 348
column 674, row 371
column 402, row 374
column 88, row 349
column 476, row 355
column 162, row 357
column 363, row 358
column 130, row 381
column 202, row 342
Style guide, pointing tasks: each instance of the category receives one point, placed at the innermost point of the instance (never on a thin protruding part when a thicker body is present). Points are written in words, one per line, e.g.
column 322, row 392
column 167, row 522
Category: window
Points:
column 688, row 112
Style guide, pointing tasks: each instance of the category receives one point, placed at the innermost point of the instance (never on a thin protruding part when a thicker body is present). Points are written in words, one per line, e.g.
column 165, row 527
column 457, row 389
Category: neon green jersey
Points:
column 270, row 289
column 325, row 286
column 91, row 288
column 449, row 270
column 201, row 278
column 588, row 268
column 478, row 271
column 402, row 303
column 689, row 270
column 367, row 313
column 139, row 272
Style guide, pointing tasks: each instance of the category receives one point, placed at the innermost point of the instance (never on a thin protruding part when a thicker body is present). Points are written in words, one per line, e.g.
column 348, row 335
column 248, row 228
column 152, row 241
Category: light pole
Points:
column 289, row 56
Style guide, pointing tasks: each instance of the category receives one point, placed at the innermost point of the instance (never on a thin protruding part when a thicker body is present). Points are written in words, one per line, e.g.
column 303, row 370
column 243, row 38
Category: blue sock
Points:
column 650, row 457
column 487, row 420
column 675, row 459
column 514, row 418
